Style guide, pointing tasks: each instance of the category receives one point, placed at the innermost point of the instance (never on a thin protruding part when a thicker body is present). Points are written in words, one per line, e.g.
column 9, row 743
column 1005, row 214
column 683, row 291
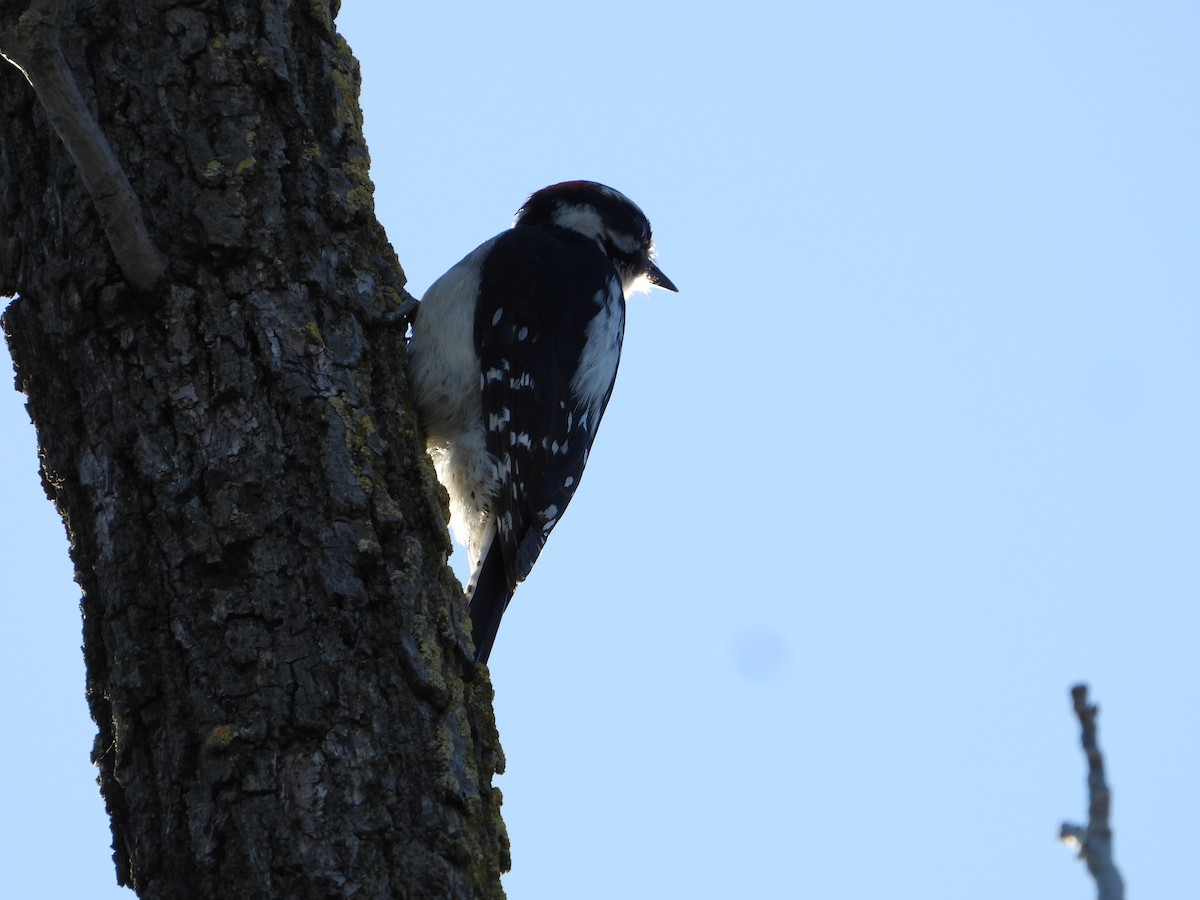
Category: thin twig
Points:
column 1095, row 842
column 32, row 46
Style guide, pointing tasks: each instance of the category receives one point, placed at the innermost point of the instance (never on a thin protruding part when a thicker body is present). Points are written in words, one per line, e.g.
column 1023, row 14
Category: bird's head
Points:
column 607, row 217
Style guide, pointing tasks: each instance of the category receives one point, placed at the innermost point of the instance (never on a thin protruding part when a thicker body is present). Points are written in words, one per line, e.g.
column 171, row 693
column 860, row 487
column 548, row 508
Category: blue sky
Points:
column 913, row 450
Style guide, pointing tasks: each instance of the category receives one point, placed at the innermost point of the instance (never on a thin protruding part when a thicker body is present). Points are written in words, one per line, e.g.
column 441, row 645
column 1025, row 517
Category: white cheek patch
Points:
column 581, row 219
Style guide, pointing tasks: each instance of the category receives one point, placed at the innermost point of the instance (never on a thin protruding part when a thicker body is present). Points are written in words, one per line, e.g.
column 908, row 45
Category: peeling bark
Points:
column 277, row 658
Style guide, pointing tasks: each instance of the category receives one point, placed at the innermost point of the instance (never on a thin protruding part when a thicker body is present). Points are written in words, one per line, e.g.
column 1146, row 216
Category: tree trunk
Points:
column 277, row 657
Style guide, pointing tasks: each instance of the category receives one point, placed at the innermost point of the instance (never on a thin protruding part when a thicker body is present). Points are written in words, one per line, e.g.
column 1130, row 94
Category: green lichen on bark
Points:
column 278, row 660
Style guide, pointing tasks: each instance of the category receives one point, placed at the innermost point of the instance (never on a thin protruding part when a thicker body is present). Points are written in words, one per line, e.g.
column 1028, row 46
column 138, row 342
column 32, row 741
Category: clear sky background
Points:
column 914, row 449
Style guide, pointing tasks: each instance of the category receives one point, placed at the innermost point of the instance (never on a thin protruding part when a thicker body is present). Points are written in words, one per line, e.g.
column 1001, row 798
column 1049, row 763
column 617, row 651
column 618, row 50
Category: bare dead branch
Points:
column 1094, row 841
column 32, row 46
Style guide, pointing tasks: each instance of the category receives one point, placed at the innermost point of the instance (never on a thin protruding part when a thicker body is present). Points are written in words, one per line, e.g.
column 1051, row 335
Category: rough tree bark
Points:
column 277, row 661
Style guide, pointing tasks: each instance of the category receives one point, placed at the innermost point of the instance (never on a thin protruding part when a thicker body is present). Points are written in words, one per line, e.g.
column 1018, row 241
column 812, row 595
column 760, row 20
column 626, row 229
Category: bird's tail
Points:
column 488, row 601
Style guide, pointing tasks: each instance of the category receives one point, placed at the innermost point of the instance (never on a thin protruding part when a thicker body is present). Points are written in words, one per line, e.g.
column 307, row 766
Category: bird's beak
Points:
column 656, row 276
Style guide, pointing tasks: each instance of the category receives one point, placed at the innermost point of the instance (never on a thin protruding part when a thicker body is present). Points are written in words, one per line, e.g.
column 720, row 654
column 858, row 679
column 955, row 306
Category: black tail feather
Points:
column 489, row 601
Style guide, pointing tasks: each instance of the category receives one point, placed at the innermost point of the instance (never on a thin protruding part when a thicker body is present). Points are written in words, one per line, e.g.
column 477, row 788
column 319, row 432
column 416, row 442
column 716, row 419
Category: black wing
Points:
column 537, row 297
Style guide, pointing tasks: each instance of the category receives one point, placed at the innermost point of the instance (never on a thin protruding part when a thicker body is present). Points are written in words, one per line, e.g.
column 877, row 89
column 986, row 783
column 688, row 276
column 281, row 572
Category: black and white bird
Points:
column 513, row 356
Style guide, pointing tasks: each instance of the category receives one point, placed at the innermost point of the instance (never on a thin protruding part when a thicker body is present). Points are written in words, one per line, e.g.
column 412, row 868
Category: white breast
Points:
column 443, row 365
